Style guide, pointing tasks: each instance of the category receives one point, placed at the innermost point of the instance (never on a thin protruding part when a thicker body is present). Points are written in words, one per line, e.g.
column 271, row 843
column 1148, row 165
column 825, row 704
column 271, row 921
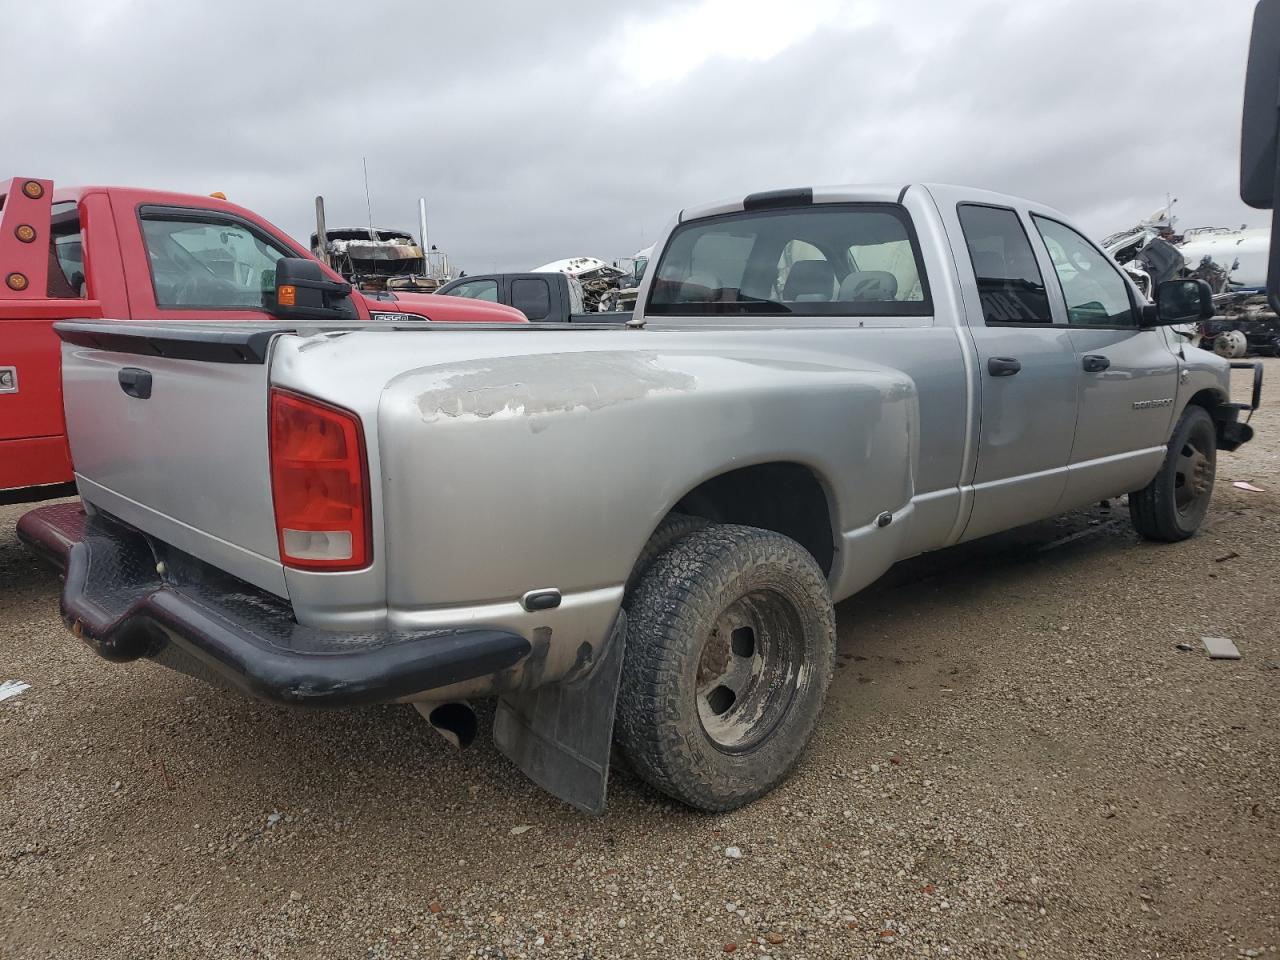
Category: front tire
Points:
column 1171, row 507
column 730, row 649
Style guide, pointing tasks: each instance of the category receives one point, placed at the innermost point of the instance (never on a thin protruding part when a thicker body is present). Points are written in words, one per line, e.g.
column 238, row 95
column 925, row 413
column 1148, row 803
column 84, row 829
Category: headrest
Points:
column 869, row 285
column 810, row 280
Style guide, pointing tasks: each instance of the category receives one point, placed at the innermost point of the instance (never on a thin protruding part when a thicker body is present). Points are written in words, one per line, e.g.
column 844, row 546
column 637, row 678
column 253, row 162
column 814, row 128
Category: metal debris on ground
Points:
column 11, row 688
column 1220, row 648
column 1246, row 485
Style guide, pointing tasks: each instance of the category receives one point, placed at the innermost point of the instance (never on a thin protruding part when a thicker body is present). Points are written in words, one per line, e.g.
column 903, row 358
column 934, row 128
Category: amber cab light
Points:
column 319, row 483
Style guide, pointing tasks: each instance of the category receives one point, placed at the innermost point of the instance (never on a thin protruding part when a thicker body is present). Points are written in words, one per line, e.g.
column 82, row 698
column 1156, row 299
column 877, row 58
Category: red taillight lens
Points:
column 320, row 484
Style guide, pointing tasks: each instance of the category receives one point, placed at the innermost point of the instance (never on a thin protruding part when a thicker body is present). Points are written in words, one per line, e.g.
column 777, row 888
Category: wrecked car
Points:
column 1233, row 262
column 381, row 259
column 626, row 533
column 543, row 297
column 594, row 276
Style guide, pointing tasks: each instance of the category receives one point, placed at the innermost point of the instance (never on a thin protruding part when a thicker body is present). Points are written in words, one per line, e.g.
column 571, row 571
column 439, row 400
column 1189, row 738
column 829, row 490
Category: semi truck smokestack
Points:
column 422, row 224
column 322, row 238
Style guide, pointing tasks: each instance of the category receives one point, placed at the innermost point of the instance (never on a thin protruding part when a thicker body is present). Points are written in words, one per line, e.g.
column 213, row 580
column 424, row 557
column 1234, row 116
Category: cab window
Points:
column 66, row 254
column 476, row 290
column 1096, row 294
column 532, row 297
column 832, row 260
column 1010, row 284
column 214, row 263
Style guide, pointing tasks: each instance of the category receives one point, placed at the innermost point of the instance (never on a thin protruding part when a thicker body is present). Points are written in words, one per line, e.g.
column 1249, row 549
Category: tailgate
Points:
column 168, row 432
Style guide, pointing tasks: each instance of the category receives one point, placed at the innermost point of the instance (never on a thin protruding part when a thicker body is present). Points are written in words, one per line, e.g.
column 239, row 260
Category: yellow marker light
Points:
column 218, row 195
column 33, row 189
column 25, row 232
column 16, row 281
column 287, row 295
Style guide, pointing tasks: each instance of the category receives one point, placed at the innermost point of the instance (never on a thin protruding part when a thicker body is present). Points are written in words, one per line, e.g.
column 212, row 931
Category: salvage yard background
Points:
column 1016, row 760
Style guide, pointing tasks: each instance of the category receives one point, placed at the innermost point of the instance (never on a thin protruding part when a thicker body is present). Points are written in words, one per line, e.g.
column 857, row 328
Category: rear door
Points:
column 1027, row 371
column 532, row 296
column 1128, row 376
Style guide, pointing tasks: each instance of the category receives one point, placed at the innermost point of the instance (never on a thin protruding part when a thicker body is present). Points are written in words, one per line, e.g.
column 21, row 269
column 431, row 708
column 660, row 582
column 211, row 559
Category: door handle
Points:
column 1003, row 366
column 136, row 382
column 1095, row 363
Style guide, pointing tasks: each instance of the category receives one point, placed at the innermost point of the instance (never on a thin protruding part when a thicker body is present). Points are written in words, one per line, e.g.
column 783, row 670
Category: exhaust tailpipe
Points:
column 455, row 720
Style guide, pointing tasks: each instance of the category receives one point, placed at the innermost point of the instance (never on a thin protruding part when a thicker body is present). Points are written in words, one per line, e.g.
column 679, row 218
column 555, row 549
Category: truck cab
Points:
column 133, row 254
column 543, row 296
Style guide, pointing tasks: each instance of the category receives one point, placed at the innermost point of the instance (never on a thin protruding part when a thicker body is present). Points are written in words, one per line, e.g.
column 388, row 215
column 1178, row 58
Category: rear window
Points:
column 836, row 260
column 1009, row 280
column 66, row 253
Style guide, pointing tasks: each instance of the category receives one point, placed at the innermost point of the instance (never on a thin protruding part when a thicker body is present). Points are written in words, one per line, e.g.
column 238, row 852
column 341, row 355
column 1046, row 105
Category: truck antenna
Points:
column 368, row 204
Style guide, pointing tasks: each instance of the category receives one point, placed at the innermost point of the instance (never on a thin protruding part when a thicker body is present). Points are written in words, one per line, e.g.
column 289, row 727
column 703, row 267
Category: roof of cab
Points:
column 845, row 193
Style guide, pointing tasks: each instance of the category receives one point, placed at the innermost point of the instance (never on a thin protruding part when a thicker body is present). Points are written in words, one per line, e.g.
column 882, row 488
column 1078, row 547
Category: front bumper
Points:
column 129, row 596
column 1232, row 434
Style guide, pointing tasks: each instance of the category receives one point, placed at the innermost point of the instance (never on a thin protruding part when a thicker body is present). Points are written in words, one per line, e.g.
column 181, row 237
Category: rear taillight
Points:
column 320, row 484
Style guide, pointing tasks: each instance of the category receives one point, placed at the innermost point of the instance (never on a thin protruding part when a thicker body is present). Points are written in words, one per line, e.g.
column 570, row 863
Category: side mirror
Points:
column 1260, row 130
column 1180, row 301
column 304, row 292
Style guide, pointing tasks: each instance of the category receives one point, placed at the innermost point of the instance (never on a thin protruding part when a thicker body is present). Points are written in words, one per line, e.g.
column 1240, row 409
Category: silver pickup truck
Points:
column 630, row 535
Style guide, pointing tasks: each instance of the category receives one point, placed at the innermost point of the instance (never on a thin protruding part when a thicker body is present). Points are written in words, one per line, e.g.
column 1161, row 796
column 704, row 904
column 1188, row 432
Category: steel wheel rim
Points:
column 749, row 670
column 1192, row 477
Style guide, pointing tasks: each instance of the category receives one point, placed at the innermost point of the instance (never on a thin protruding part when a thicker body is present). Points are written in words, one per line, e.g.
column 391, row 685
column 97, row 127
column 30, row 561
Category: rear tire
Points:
column 1171, row 507
column 673, row 528
column 730, row 649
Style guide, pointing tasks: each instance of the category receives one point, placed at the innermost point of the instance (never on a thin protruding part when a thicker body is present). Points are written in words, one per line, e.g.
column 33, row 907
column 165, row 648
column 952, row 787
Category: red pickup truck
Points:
column 132, row 254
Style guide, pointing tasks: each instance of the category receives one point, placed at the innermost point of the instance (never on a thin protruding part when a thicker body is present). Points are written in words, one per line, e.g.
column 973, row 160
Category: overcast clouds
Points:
column 544, row 130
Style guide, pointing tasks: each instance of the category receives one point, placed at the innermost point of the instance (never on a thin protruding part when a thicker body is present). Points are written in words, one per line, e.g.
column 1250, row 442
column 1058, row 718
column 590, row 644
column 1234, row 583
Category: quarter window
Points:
column 1096, row 294
column 835, row 260
column 216, row 264
column 1010, row 284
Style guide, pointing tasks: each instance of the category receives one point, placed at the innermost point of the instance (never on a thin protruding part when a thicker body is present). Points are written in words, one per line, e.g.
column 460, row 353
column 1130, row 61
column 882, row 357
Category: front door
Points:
column 1028, row 377
column 1128, row 376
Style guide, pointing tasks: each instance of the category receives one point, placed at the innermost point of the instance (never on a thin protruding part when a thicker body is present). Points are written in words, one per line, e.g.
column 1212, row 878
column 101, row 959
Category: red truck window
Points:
column 66, row 254
column 209, row 263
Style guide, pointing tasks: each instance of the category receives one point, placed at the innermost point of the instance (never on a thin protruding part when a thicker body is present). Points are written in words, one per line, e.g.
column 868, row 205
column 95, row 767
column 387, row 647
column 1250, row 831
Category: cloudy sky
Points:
column 540, row 130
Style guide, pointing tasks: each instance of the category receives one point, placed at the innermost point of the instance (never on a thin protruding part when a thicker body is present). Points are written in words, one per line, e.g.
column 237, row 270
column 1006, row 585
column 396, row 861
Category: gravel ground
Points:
column 1016, row 760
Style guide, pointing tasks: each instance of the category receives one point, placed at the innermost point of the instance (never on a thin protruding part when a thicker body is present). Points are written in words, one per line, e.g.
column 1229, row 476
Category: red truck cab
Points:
column 134, row 254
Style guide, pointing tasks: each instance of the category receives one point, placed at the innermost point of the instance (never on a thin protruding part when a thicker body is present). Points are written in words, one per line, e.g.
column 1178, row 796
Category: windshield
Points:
column 831, row 260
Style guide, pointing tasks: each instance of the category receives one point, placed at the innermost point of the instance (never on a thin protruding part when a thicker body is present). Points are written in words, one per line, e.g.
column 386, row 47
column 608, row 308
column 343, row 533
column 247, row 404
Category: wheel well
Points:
column 787, row 498
column 1231, row 434
column 1210, row 399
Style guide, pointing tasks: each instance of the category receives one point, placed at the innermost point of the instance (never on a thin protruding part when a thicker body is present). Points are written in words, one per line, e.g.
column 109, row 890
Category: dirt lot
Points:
column 1016, row 761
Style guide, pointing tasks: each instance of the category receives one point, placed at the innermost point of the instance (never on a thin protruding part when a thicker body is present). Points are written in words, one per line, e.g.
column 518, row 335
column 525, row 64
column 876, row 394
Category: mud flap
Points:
column 560, row 735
